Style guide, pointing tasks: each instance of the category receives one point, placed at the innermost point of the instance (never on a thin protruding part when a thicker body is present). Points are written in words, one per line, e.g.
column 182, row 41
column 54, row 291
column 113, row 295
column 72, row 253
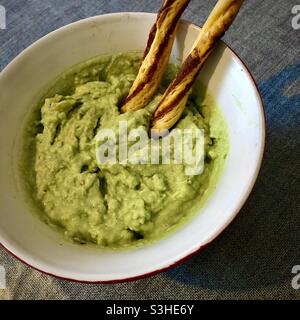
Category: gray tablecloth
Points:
column 255, row 256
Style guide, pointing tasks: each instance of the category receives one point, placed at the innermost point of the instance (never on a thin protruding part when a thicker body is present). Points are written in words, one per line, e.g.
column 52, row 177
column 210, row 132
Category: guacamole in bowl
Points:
column 119, row 205
column 29, row 79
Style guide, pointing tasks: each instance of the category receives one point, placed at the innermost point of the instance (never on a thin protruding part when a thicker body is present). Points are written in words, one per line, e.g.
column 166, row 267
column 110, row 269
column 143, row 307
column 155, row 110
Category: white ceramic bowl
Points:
column 28, row 75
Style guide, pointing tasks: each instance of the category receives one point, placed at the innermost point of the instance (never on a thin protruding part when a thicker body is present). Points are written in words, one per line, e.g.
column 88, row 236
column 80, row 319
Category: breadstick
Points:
column 156, row 55
column 174, row 100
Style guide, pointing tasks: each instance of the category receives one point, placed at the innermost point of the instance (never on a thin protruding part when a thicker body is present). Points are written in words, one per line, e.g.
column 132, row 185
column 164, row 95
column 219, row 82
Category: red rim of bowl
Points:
column 201, row 248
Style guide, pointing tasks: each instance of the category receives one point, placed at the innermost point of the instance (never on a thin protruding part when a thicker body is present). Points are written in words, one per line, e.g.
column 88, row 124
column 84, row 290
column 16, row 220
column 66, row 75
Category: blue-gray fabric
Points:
column 253, row 258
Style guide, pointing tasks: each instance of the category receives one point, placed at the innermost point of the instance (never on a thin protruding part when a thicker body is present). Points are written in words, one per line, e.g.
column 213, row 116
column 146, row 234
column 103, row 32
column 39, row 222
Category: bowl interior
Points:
column 29, row 74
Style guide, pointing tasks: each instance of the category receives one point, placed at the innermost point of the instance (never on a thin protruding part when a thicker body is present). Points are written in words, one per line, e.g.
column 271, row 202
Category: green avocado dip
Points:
column 120, row 205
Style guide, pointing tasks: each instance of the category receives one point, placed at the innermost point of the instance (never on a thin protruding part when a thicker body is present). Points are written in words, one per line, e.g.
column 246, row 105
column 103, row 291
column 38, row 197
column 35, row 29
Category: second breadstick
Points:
column 174, row 100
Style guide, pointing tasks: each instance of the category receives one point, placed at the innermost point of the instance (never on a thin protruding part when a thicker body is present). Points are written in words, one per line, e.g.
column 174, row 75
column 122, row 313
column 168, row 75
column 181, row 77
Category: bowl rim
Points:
column 230, row 219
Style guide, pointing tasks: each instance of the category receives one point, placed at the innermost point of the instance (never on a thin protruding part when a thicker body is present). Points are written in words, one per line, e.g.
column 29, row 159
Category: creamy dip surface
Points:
column 112, row 205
